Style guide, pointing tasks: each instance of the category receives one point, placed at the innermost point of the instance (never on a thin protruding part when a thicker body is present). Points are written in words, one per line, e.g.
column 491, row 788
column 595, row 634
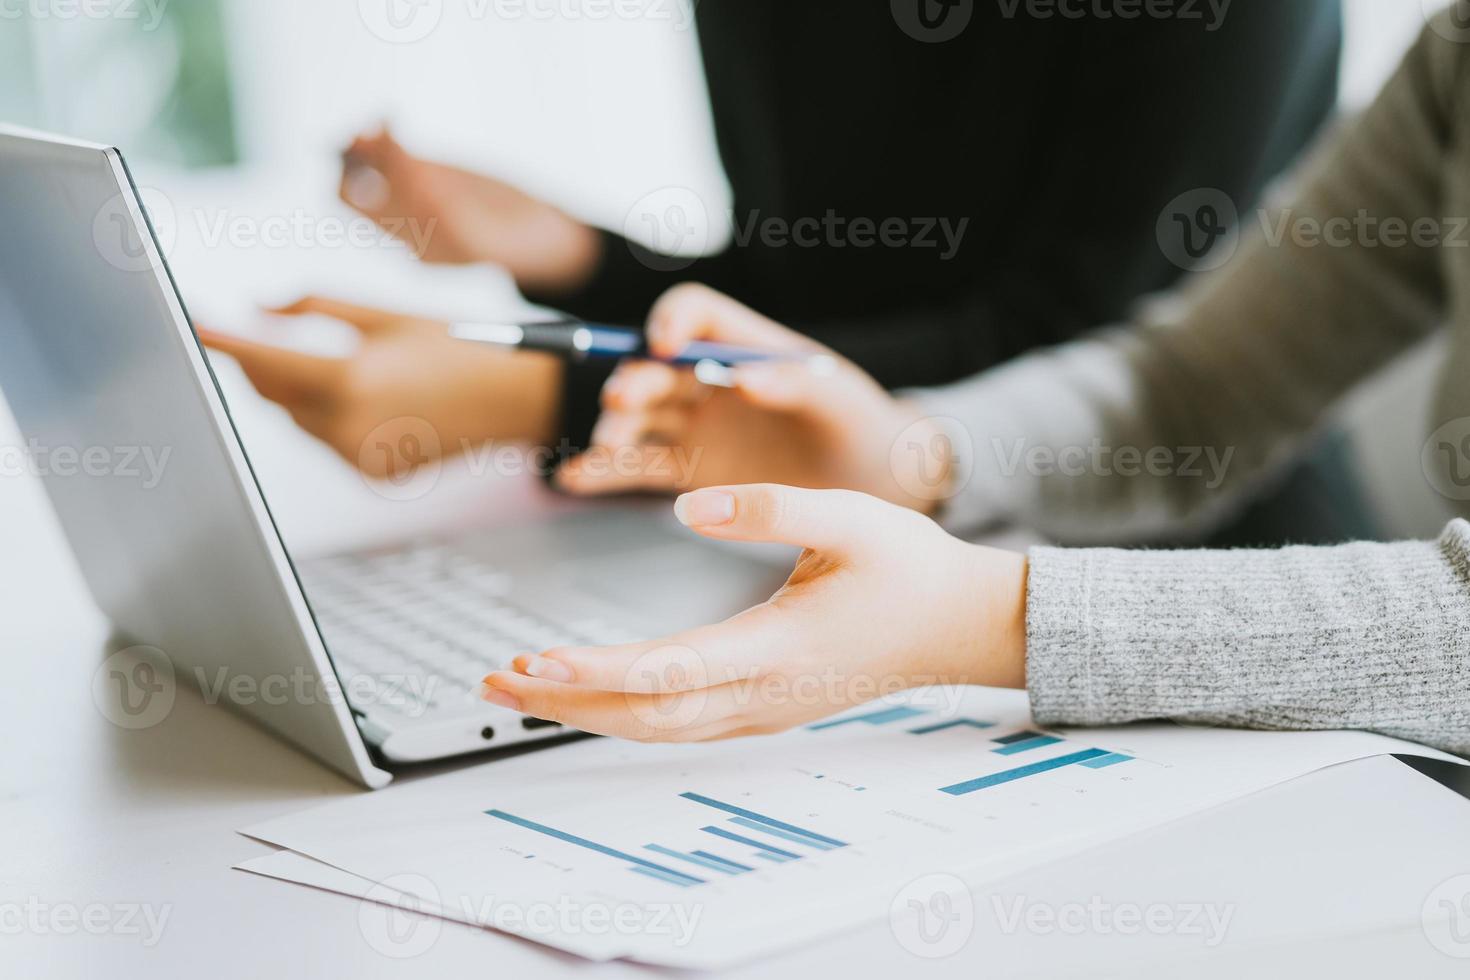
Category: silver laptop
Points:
column 97, row 355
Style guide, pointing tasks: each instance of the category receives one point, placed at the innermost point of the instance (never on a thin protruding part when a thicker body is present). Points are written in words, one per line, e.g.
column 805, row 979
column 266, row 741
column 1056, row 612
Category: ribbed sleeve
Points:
column 1361, row 636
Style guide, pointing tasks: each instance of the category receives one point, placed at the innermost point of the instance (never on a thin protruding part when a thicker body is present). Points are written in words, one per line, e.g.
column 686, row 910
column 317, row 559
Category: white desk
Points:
column 1325, row 876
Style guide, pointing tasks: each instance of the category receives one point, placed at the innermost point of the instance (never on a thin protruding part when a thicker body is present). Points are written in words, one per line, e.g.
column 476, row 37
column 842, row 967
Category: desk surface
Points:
column 104, row 827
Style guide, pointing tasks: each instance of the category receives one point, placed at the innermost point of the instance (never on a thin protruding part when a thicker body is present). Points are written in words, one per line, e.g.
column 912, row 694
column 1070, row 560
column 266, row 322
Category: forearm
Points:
column 1361, row 636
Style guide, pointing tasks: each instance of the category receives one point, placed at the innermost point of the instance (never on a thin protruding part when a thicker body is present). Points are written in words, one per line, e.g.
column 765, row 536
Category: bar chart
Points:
column 754, row 838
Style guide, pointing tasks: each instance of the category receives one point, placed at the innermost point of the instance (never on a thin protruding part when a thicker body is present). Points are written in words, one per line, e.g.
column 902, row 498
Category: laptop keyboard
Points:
column 412, row 632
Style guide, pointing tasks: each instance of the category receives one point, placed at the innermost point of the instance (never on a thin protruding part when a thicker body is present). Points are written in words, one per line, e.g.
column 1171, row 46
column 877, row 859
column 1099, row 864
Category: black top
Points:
column 1061, row 140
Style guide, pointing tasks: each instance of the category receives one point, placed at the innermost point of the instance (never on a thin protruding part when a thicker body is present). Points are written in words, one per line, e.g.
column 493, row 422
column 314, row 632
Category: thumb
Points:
column 837, row 521
column 691, row 312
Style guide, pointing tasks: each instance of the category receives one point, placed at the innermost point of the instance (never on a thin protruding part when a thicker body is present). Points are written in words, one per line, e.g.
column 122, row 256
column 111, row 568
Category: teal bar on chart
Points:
column 802, row 839
column 943, row 726
column 740, row 811
column 1027, row 744
column 1011, row 775
column 713, row 864
column 562, row 835
column 760, row 846
column 883, row 717
column 1111, row 759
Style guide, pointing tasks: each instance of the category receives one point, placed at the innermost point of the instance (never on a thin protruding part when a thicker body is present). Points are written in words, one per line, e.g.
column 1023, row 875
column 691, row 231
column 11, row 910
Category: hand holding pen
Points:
column 713, row 362
column 800, row 415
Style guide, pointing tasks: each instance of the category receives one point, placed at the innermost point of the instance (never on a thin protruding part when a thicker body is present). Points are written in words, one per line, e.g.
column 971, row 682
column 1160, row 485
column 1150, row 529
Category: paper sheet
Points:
column 701, row 856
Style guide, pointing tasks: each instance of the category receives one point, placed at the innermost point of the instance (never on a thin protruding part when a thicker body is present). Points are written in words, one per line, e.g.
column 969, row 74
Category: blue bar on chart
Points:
column 760, row 846
column 1023, row 742
column 740, row 811
column 883, row 716
column 1111, row 759
column 673, row 878
column 644, row 867
column 1034, row 769
column 943, row 726
column 703, row 860
column 749, row 824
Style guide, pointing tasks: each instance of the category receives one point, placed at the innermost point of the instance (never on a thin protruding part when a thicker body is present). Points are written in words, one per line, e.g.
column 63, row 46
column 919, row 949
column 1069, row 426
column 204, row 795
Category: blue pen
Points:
column 580, row 341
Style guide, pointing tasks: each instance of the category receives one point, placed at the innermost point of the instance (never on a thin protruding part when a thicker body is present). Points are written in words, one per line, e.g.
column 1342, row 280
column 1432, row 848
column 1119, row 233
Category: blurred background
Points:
column 231, row 108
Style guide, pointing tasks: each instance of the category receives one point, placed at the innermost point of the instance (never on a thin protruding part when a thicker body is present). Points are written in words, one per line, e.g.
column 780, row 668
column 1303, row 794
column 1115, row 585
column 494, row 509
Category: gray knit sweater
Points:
column 1168, row 425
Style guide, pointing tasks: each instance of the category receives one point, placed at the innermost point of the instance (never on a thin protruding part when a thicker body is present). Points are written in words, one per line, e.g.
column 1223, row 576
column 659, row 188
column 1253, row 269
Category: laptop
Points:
column 364, row 660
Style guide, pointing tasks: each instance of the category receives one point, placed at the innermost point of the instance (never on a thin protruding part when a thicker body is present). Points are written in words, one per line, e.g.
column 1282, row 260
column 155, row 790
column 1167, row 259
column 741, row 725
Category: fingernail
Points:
column 548, row 669
column 705, row 508
column 497, row 696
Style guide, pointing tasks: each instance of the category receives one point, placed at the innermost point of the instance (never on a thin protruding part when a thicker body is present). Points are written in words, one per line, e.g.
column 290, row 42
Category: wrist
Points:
column 569, row 262
column 995, row 626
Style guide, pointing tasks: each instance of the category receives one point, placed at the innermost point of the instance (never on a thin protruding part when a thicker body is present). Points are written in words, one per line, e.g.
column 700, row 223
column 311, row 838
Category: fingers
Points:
column 692, row 312
column 640, row 384
column 603, row 471
column 736, row 650
column 839, row 522
column 366, row 318
column 282, row 375
column 688, row 716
